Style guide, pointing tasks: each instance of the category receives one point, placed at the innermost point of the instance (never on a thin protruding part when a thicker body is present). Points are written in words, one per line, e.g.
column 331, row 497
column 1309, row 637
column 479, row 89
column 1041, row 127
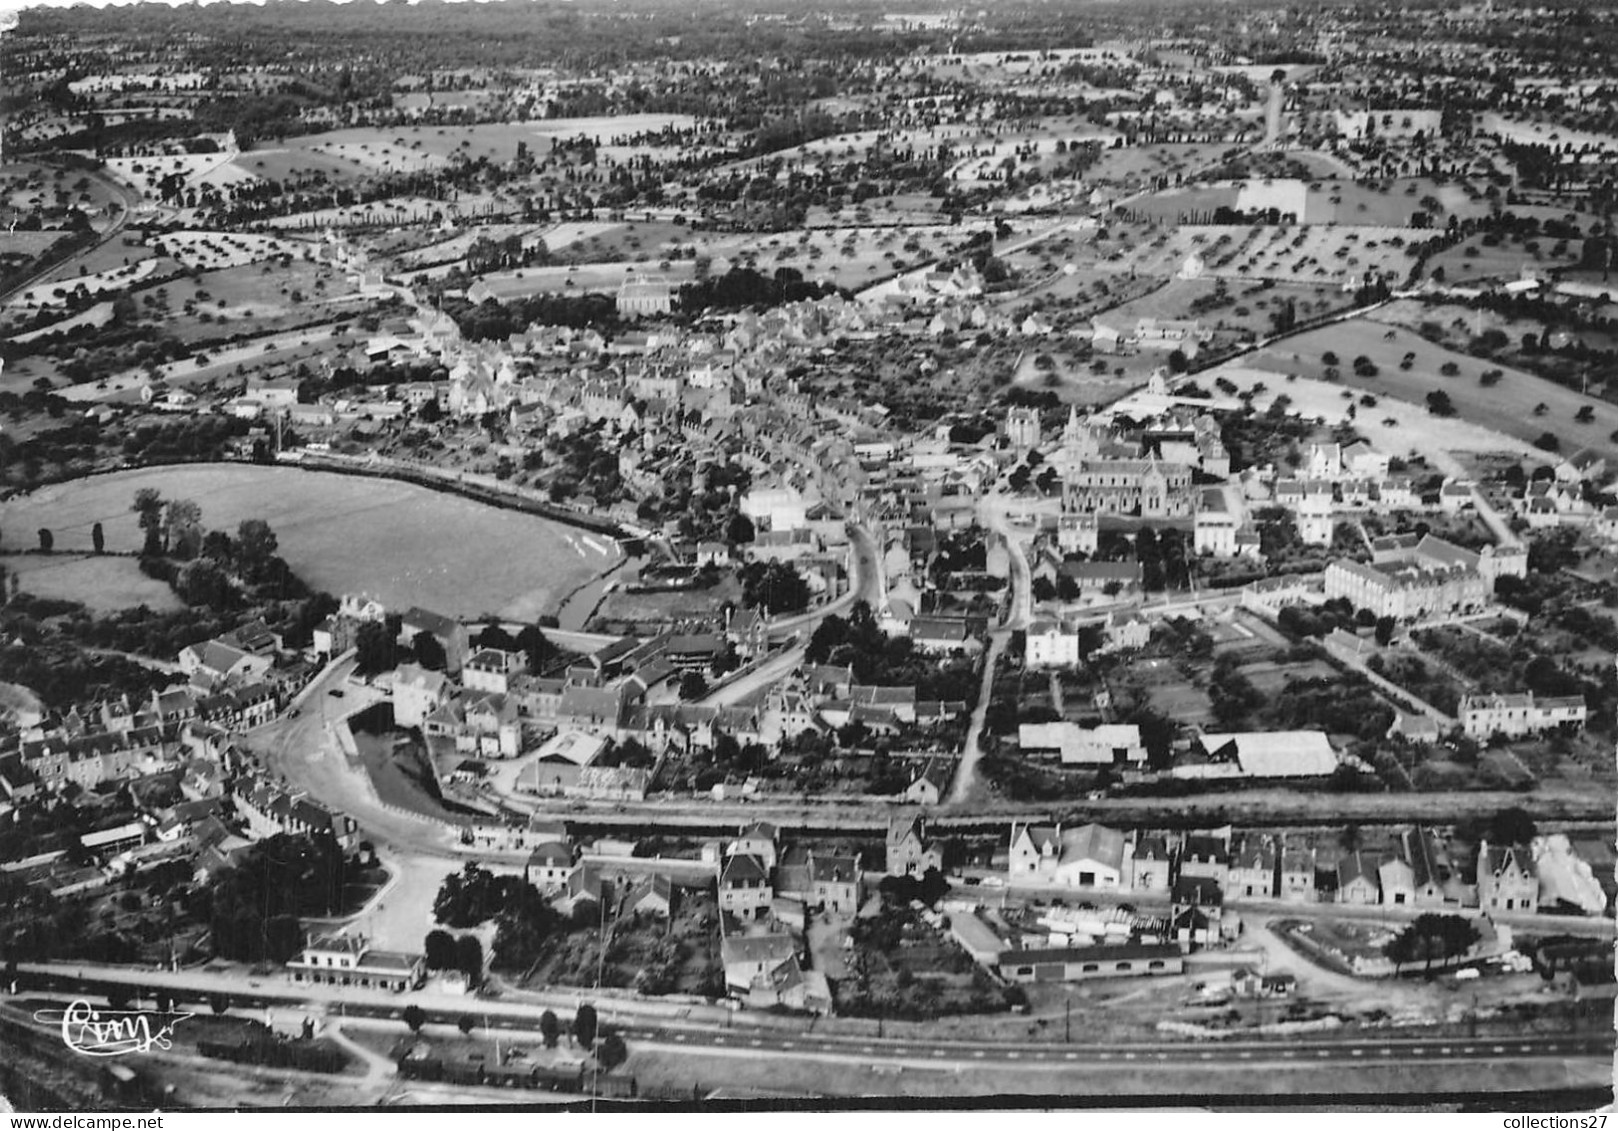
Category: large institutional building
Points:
column 1484, row 716
column 1095, row 483
column 1429, row 577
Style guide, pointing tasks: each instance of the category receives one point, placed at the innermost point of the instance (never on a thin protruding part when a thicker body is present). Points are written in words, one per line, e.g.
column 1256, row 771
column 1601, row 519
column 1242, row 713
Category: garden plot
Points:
column 1314, row 254
column 212, row 250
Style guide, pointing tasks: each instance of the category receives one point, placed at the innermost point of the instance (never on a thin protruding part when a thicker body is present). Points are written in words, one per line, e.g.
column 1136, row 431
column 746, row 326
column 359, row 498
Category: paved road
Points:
column 301, row 750
column 966, row 787
column 757, row 680
column 862, row 587
column 926, row 1054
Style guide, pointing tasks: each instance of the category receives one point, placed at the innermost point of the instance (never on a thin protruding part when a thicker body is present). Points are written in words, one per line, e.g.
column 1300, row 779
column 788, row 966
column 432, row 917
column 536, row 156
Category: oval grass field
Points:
column 401, row 544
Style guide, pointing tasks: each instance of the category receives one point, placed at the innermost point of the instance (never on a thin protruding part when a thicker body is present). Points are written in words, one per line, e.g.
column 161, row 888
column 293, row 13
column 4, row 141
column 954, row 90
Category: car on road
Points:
column 335, row 693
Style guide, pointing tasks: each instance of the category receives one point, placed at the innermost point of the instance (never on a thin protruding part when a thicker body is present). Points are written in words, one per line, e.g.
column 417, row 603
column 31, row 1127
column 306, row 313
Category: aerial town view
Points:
column 620, row 554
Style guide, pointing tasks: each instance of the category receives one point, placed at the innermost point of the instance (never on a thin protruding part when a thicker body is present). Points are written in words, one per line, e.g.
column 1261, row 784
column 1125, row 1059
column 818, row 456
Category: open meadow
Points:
column 102, row 584
column 1510, row 405
column 1398, row 427
column 1479, row 257
column 402, row 544
column 251, row 299
column 404, row 149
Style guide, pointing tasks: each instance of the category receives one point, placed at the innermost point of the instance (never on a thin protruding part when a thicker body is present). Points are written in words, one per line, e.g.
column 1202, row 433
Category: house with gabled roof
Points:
column 747, row 958
column 910, row 852
column 1150, row 864
column 652, row 896
column 1357, row 880
column 1508, row 879
column 417, row 693
column 1429, row 869
column 834, row 882
column 930, row 784
column 594, row 709
column 1252, row 872
column 491, row 669
column 757, row 839
column 1089, row 856
column 213, row 663
column 1396, row 881
column 549, row 865
column 1297, row 883
column 449, row 632
column 945, row 635
column 744, row 886
column 792, row 873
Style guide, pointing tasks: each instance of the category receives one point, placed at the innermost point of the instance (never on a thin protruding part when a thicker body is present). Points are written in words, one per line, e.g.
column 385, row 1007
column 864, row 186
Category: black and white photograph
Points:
column 808, row 556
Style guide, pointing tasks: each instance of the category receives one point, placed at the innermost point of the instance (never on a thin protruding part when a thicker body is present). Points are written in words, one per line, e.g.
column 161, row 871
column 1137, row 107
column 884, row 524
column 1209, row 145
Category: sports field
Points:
column 401, row 544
